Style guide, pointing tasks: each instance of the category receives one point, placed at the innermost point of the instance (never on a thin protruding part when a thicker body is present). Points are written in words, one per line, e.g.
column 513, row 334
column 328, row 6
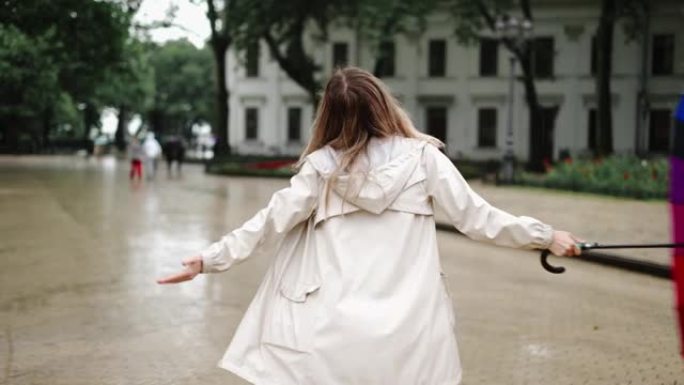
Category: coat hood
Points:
column 381, row 174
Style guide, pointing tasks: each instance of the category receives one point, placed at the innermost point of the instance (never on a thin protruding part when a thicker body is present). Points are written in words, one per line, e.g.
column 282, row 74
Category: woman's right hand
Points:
column 565, row 244
column 193, row 266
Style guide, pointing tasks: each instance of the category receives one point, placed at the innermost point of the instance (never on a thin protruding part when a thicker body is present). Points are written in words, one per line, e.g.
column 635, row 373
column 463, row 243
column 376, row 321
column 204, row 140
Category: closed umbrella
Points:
column 677, row 211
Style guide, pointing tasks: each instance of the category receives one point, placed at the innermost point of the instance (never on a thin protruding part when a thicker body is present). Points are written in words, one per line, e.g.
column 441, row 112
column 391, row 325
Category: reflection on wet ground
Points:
column 81, row 247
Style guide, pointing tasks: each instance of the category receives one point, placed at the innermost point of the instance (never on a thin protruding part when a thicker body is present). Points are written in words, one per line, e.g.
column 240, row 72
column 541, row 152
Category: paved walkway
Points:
column 81, row 247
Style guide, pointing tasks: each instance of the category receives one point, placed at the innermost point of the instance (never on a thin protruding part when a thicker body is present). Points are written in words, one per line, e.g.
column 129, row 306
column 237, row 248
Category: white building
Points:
column 461, row 92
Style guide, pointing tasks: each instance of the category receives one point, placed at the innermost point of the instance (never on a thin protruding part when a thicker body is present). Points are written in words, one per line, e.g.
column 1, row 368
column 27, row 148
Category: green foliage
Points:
column 85, row 38
column 626, row 176
column 469, row 21
column 69, row 117
column 54, row 56
column 28, row 75
column 130, row 82
column 378, row 20
column 183, row 85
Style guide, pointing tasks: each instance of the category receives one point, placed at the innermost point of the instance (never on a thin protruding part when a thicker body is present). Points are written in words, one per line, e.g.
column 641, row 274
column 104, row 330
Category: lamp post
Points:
column 515, row 33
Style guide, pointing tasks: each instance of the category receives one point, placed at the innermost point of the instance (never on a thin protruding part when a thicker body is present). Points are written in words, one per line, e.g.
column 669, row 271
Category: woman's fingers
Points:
column 183, row 276
column 193, row 266
column 565, row 244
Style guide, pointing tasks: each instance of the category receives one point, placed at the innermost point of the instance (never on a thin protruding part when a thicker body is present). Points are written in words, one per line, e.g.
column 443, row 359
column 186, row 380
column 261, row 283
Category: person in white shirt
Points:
column 153, row 151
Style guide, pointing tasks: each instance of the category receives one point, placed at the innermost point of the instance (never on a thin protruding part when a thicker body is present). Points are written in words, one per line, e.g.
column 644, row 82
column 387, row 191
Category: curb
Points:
column 613, row 260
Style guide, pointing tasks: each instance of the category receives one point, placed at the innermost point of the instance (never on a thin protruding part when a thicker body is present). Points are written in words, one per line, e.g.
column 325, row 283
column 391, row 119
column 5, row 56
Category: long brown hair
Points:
column 357, row 106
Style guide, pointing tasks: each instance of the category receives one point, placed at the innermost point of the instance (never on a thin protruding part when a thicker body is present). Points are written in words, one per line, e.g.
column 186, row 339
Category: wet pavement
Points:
column 81, row 247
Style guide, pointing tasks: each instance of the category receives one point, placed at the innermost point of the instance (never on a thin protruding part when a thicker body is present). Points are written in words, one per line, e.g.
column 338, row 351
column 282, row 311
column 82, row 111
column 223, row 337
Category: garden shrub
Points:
column 626, row 176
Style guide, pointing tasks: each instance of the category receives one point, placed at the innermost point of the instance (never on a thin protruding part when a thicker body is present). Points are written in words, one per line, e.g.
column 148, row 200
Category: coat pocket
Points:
column 295, row 311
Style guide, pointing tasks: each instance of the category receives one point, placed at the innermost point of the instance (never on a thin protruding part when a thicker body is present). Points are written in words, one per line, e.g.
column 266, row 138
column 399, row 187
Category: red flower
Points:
column 625, row 176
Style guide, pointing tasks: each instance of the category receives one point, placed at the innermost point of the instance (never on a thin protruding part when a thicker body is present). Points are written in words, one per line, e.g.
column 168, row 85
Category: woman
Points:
column 355, row 293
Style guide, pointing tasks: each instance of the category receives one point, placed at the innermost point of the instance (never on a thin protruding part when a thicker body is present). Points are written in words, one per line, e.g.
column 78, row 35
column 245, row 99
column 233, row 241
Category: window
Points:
column 386, row 59
column 486, row 127
column 340, row 55
column 437, row 122
column 251, row 123
column 489, row 57
column 592, row 123
column 592, row 58
column 662, row 59
column 294, row 124
column 437, row 58
column 543, row 57
column 660, row 124
column 252, row 65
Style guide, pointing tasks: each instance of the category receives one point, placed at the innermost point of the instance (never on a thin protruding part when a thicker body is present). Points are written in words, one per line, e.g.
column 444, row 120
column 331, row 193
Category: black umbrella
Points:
column 588, row 246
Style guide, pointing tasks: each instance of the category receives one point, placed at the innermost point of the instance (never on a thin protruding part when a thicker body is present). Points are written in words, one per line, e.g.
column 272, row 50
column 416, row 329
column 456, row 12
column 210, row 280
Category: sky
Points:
column 191, row 18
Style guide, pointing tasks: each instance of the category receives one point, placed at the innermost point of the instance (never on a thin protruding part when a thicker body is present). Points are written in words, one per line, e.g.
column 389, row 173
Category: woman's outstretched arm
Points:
column 284, row 211
column 477, row 219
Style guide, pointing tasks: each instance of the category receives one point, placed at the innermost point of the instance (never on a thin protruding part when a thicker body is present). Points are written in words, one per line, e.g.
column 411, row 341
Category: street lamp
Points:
column 514, row 34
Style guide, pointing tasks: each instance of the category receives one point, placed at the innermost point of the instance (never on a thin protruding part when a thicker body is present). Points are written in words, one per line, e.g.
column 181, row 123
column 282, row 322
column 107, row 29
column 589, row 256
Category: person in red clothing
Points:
column 136, row 154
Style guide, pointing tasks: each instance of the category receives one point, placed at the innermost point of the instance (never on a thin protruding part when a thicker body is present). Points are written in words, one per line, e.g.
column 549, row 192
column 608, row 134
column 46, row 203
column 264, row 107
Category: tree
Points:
column 129, row 87
column 288, row 28
column 182, row 78
column 220, row 40
column 82, row 40
column 378, row 21
column 473, row 16
column 633, row 11
column 24, row 92
column 604, row 58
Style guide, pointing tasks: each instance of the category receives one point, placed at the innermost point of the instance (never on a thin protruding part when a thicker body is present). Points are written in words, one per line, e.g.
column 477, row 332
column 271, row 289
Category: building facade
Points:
column 459, row 93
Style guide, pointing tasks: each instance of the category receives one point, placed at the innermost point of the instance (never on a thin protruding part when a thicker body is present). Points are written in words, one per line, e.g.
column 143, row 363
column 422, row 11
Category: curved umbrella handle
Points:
column 547, row 266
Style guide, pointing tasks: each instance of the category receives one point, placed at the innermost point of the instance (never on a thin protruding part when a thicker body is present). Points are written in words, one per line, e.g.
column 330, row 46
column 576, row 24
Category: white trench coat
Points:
column 355, row 294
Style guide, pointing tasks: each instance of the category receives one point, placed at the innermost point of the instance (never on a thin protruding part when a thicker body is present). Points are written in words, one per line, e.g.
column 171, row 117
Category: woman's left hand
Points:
column 193, row 266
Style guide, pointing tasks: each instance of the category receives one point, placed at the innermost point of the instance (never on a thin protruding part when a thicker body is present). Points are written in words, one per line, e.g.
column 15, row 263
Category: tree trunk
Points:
column 10, row 123
column 48, row 114
column 604, row 54
column 538, row 134
column 300, row 67
column 157, row 121
column 121, row 129
column 222, row 146
column 90, row 117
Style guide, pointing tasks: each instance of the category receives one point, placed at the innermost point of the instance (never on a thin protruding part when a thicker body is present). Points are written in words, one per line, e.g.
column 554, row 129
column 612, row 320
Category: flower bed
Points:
column 625, row 176
column 283, row 167
column 253, row 166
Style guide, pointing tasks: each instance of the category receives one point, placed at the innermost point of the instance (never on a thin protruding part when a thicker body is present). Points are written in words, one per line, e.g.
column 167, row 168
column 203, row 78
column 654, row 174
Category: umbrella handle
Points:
column 549, row 267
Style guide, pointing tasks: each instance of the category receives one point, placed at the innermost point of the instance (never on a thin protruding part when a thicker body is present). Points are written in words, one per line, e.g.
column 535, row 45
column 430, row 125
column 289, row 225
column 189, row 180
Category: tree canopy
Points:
column 183, row 87
column 57, row 53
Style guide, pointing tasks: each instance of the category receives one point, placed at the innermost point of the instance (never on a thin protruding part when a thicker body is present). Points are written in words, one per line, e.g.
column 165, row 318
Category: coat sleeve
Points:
column 475, row 217
column 287, row 207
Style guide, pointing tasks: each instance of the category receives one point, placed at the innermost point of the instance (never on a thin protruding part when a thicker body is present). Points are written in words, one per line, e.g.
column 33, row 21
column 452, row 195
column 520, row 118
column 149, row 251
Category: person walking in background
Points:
column 152, row 153
column 136, row 156
column 355, row 293
column 174, row 151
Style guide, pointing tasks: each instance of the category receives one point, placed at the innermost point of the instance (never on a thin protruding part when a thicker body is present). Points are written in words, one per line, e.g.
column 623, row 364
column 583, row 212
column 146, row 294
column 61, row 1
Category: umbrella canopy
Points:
column 677, row 206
